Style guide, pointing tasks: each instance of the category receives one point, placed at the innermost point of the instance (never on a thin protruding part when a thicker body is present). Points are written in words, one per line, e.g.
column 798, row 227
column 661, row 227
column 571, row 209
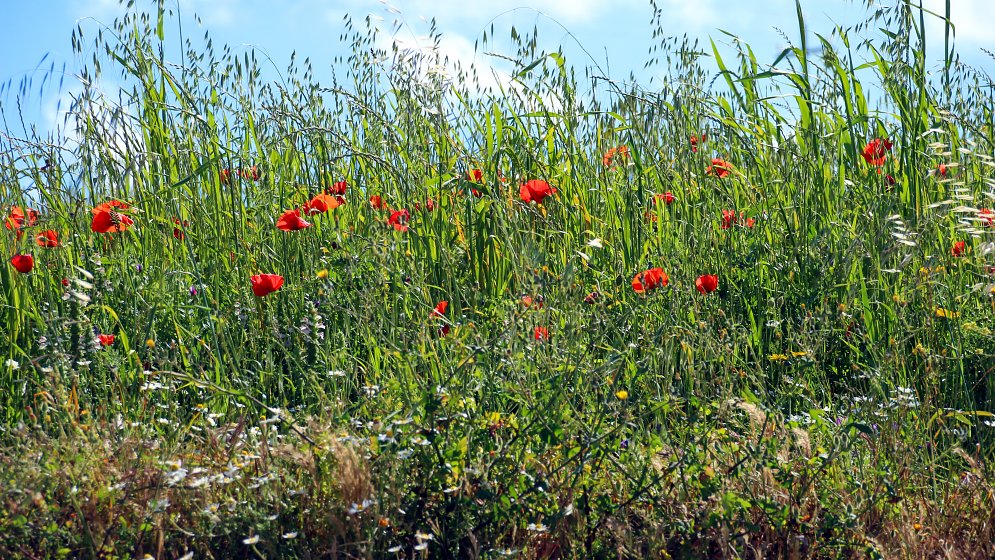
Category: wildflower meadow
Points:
column 397, row 310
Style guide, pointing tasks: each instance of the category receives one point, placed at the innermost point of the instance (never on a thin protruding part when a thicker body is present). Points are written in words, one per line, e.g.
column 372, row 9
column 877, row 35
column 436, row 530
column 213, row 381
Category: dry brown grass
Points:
column 111, row 490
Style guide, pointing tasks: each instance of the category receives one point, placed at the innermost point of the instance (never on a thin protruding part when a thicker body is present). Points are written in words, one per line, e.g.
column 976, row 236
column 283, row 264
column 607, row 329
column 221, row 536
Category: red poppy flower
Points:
column 107, row 217
column 667, row 197
column 444, row 330
column 291, row 221
column 23, row 263
column 110, row 205
column 706, row 283
column 376, row 202
column 476, row 193
column 958, row 248
column 399, row 219
column 250, row 173
column 529, row 302
column 876, row 151
column 440, row 309
column 177, row 231
column 720, row 168
column 615, row 155
column 65, row 282
column 942, row 170
column 649, row 280
column 48, row 238
column 535, row 191
column 338, row 188
column 694, row 141
column 475, row 176
column 105, row 339
column 322, row 203
column 20, row 218
column 225, row 176
column 429, row 205
column 987, row 217
column 264, row 284
column 889, row 179
column 592, row 298
column 728, row 218
column 541, row 333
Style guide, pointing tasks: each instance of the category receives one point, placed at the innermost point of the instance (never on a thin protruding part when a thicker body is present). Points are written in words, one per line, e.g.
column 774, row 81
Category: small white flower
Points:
column 12, row 364
column 289, row 536
column 173, row 478
column 198, row 482
column 251, row 540
column 596, row 243
column 423, row 536
column 358, row 508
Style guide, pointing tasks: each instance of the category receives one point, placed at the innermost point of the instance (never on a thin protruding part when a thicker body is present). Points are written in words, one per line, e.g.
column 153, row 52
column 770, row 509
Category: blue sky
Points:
column 615, row 33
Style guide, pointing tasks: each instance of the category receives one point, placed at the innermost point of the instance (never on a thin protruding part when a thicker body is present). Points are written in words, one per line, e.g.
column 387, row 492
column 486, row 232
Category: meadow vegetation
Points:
column 403, row 309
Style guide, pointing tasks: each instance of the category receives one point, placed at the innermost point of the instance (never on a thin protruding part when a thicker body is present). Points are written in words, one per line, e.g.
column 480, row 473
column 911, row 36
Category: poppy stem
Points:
column 261, row 307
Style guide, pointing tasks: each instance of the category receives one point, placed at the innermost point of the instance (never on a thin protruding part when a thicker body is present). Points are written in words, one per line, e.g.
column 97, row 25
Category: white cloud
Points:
column 101, row 10
column 56, row 109
column 972, row 20
column 681, row 16
column 567, row 12
column 104, row 112
column 215, row 13
column 454, row 51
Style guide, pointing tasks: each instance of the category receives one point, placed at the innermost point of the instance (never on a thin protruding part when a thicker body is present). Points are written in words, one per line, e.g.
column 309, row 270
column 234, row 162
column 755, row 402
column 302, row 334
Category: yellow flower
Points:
column 323, row 273
column 777, row 358
column 150, row 343
column 798, row 354
column 622, row 394
column 946, row 313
